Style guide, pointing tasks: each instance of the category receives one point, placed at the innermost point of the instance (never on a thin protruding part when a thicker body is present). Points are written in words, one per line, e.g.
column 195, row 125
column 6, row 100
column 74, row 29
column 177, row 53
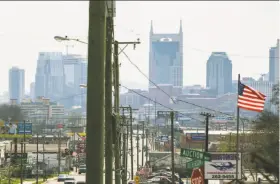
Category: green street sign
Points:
column 194, row 164
column 195, row 154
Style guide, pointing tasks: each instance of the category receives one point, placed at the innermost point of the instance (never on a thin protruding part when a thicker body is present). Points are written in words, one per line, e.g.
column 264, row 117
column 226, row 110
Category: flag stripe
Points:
column 251, row 99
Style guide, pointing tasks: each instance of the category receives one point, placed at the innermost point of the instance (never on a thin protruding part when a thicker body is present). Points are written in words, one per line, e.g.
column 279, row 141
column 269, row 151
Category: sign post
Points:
column 195, row 154
column 136, row 179
column 197, row 177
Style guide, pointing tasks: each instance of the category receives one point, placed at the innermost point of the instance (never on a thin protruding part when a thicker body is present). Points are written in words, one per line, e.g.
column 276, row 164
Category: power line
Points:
column 231, row 115
column 147, row 76
column 159, row 103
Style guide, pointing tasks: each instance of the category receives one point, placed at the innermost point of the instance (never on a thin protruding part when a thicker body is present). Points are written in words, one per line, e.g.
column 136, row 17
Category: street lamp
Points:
column 66, row 38
column 83, row 86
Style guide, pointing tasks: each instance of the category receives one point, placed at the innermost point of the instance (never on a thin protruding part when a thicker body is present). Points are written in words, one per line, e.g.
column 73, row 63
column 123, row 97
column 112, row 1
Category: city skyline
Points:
column 229, row 33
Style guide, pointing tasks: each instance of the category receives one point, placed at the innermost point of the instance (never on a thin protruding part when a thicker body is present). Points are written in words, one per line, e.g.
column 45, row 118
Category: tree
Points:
column 266, row 155
column 11, row 111
column 262, row 145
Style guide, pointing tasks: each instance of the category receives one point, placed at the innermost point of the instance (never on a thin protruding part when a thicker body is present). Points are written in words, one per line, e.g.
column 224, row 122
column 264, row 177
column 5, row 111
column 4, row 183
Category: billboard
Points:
column 14, row 128
column 166, row 114
column 195, row 137
column 223, row 166
column 162, row 138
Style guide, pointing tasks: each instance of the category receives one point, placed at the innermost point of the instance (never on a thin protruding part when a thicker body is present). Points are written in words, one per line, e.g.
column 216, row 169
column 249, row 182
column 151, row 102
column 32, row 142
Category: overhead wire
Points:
column 146, row 76
column 159, row 103
column 214, row 110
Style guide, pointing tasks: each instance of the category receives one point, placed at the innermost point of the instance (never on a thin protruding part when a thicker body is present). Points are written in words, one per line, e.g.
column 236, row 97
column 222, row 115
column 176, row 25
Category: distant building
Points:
column 32, row 91
column 165, row 93
column 75, row 73
column 132, row 99
column 166, row 58
column 261, row 85
column 274, row 58
column 42, row 109
column 219, row 73
column 49, row 79
column 16, row 84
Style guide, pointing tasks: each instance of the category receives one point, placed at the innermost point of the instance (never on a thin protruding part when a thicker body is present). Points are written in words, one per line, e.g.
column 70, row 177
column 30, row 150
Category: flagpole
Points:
column 237, row 130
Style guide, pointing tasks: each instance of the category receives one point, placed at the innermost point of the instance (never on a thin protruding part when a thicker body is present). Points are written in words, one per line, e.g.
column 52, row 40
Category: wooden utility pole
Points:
column 172, row 146
column 131, row 142
column 95, row 91
column 37, row 158
column 124, row 152
column 207, row 116
column 116, row 126
column 108, row 103
column 143, row 137
column 137, row 145
column 59, row 151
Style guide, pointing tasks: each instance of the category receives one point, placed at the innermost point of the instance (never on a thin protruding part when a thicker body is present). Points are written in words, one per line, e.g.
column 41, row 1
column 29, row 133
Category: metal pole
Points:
column 95, row 91
column 237, row 131
column 116, row 104
column 37, row 158
column 131, row 143
column 21, row 174
column 143, row 137
column 172, row 147
column 108, row 104
column 137, row 146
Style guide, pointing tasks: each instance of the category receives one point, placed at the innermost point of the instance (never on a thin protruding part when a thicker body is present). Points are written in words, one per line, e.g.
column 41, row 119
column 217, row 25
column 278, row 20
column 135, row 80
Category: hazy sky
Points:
column 242, row 29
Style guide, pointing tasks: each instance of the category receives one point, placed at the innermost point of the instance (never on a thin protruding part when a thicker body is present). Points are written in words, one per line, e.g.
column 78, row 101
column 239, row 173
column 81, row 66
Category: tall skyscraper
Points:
column 49, row 80
column 75, row 72
column 16, row 84
column 274, row 58
column 166, row 58
column 219, row 73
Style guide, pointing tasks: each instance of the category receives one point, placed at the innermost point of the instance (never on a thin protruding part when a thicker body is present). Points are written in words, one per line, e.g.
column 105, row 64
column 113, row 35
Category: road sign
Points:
column 195, row 154
column 197, row 177
column 136, row 179
column 195, row 164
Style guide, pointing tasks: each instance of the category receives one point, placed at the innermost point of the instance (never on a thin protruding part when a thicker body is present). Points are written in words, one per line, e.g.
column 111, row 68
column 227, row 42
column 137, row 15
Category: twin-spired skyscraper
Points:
column 166, row 58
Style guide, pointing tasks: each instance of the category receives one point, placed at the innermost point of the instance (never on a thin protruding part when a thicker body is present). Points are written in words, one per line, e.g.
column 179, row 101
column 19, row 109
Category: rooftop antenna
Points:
column 67, row 48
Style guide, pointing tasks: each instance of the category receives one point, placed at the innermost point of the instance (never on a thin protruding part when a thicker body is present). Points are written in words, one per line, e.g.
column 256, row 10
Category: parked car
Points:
column 82, row 169
column 61, row 177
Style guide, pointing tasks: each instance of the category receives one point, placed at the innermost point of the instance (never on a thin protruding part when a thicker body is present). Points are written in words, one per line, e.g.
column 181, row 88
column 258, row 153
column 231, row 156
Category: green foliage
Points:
column 11, row 111
column 11, row 136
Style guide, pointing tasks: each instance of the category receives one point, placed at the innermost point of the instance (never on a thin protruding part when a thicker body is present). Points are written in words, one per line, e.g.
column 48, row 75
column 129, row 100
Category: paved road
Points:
column 82, row 176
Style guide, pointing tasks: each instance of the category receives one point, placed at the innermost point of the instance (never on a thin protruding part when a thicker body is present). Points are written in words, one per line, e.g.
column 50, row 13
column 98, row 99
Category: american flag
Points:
column 250, row 99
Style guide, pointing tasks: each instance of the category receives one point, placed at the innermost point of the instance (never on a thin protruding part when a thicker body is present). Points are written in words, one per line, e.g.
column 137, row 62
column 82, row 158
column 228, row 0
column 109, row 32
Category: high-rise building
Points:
column 49, row 80
column 166, row 58
column 32, row 91
column 219, row 73
column 16, row 84
column 274, row 58
column 75, row 72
